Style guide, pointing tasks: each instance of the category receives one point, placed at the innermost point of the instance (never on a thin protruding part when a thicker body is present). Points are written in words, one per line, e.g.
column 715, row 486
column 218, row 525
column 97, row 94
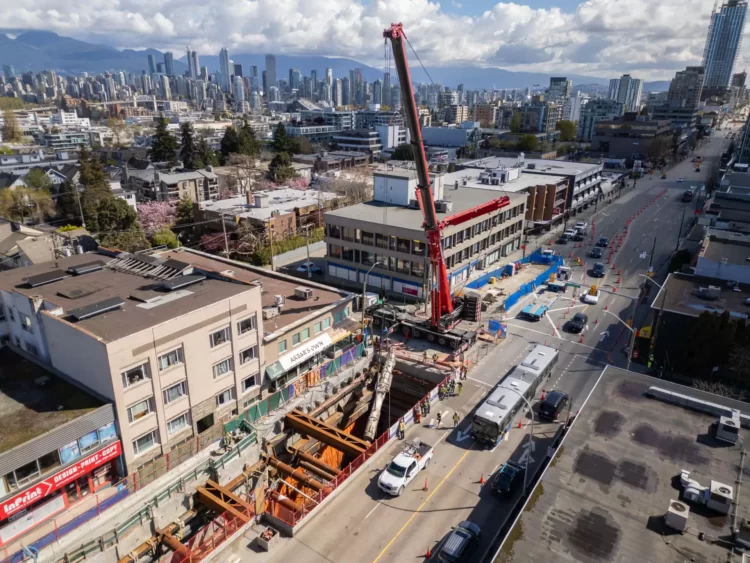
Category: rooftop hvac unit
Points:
column 443, row 206
column 413, row 204
column 710, row 293
column 728, row 429
column 720, row 497
column 677, row 515
column 270, row 312
column 530, row 166
column 279, row 300
column 303, row 292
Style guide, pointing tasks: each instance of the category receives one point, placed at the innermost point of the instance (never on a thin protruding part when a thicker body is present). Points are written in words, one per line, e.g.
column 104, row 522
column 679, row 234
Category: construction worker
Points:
column 456, row 419
column 452, row 385
column 427, row 405
column 439, row 420
column 424, row 357
column 417, row 415
column 401, row 429
column 460, row 388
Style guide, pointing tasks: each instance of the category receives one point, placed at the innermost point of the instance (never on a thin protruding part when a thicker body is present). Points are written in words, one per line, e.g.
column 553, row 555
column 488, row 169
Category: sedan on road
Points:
column 592, row 297
column 603, row 242
column 596, row 252
column 578, row 322
column 313, row 268
column 680, row 179
column 598, row 270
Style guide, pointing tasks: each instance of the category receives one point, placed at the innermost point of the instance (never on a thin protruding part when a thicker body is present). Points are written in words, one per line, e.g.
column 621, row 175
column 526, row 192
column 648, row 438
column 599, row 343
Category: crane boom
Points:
column 442, row 302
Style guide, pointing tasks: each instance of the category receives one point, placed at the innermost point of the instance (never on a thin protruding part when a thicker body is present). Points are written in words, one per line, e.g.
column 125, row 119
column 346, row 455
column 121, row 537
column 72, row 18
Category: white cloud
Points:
column 601, row 38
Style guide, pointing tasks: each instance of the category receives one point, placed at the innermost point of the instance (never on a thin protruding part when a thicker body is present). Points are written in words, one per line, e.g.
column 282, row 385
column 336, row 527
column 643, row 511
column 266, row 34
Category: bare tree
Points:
column 245, row 171
column 117, row 126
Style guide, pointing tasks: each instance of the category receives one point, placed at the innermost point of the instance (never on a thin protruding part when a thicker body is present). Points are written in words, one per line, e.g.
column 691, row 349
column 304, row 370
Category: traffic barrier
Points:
column 520, row 425
column 606, row 307
column 425, row 484
column 596, row 321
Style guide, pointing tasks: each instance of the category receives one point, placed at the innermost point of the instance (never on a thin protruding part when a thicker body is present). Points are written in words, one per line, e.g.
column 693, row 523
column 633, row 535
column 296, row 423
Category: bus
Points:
column 689, row 193
column 495, row 415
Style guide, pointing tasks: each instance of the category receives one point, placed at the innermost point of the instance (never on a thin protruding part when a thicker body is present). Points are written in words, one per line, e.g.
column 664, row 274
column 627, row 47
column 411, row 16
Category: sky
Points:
column 650, row 39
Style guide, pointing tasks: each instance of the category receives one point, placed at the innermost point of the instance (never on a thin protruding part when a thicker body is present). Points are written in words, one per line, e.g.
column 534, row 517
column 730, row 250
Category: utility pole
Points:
column 632, row 336
column 307, row 243
column 656, row 326
column 653, row 250
column 80, row 209
column 270, row 242
column 226, row 240
column 679, row 232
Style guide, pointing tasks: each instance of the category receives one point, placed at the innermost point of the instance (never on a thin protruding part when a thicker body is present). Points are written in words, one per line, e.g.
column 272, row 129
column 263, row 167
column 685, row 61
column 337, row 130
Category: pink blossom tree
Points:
column 212, row 242
column 157, row 215
column 298, row 183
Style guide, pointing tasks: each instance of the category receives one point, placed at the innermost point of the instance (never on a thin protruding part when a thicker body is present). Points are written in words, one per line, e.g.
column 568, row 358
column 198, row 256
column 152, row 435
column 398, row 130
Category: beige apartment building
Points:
column 172, row 347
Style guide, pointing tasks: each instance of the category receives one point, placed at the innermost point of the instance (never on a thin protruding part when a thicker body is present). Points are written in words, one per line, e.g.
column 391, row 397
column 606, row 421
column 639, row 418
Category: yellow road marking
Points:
column 421, row 506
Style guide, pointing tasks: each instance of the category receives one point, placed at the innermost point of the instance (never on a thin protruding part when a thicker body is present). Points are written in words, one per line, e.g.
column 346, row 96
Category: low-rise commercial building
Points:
column 328, row 161
column 633, row 137
column 360, row 140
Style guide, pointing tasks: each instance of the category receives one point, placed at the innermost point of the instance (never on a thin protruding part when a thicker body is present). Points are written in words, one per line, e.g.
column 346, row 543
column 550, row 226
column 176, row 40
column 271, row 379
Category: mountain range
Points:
column 44, row 50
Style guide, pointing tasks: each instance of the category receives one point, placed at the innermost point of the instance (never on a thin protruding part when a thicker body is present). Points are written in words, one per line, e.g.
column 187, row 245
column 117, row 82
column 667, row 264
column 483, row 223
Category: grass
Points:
column 506, row 553
column 556, row 458
column 538, row 492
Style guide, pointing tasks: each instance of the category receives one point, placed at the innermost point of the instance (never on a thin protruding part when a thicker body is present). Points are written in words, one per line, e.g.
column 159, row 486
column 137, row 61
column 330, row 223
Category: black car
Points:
column 579, row 236
column 508, row 479
column 598, row 270
column 578, row 322
column 596, row 252
column 460, row 543
column 553, row 405
column 603, row 242
column 563, row 239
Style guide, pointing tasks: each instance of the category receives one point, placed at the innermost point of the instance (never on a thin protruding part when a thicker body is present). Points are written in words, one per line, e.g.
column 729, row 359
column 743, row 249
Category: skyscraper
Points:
column 9, row 72
column 226, row 72
column 238, row 70
column 314, row 80
column 559, row 89
column 193, row 64
column 270, row 73
column 629, row 91
column 169, row 63
column 377, row 92
column 151, row 64
column 166, row 92
column 614, row 86
column 723, row 43
column 346, row 92
column 387, row 89
column 239, row 91
column 329, row 76
column 685, row 88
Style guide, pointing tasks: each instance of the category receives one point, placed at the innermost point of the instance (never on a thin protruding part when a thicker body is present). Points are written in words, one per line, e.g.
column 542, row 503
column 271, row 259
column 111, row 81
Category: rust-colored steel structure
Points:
column 220, row 500
column 326, row 433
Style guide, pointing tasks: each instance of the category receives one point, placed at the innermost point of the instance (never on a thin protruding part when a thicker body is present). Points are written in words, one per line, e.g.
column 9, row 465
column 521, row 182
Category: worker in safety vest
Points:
column 439, row 420
column 417, row 415
column 456, row 419
column 401, row 429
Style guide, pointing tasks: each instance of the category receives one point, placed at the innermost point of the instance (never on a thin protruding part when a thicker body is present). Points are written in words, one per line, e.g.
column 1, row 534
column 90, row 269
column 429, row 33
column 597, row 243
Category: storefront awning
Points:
column 606, row 187
column 305, row 351
column 274, row 371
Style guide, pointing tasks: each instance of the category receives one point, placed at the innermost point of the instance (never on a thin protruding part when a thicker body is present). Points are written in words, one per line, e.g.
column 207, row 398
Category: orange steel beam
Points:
column 326, row 433
column 220, row 499
column 175, row 545
column 314, row 461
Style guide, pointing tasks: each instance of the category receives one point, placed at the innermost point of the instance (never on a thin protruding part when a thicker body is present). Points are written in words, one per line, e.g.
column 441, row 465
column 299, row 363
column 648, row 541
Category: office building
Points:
column 329, row 76
column 571, row 110
column 225, row 70
column 151, row 64
column 9, row 72
column 166, row 92
column 485, row 114
column 377, row 92
column 614, row 87
column 237, row 69
column 193, row 64
column 632, row 137
column 560, row 89
column 629, row 91
column 270, row 74
column 239, row 92
column 387, row 89
column 594, row 111
column 169, row 63
column 723, row 42
column 456, row 114
column 685, row 88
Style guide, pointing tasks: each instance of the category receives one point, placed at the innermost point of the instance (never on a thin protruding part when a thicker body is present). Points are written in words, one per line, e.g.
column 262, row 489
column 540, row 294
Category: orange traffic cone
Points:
column 429, row 553
column 580, row 341
column 596, row 321
column 481, row 479
column 425, row 484
column 520, row 425
column 606, row 307
column 542, row 394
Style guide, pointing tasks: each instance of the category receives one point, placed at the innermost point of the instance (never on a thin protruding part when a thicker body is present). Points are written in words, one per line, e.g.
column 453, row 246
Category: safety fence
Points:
column 215, row 533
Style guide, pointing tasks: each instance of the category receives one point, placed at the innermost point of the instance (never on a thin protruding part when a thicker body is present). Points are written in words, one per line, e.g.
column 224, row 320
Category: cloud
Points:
column 599, row 38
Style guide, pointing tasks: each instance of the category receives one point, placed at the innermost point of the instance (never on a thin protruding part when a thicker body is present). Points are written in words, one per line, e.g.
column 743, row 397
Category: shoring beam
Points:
column 297, row 474
column 220, row 499
column 326, row 433
column 330, row 469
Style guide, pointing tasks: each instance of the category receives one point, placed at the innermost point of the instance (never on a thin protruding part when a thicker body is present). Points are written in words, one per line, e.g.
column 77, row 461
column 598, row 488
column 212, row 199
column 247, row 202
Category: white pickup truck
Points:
column 405, row 467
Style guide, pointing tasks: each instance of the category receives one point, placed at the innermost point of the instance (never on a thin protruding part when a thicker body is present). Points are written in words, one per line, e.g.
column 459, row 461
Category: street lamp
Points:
column 632, row 336
column 531, row 437
column 653, row 251
column 364, row 290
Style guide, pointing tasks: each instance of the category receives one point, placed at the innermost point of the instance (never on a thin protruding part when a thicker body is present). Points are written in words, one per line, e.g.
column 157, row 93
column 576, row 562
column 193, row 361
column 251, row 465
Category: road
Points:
column 362, row 524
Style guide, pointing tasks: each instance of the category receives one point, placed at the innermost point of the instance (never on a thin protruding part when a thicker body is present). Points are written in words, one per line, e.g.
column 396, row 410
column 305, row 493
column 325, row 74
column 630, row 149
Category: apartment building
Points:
column 457, row 114
column 172, row 348
column 485, row 114
column 157, row 185
column 386, row 235
column 360, row 140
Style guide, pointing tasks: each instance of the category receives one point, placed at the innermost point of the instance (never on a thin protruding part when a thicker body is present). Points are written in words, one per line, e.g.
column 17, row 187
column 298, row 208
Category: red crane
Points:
column 441, row 299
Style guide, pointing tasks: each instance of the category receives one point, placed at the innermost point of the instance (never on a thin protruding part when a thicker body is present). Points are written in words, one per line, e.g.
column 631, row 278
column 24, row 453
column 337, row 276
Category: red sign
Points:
column 410, row 290
column 52, row 483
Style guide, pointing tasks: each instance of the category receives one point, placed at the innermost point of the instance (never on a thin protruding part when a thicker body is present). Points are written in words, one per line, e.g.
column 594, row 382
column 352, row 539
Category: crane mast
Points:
column 441, row 300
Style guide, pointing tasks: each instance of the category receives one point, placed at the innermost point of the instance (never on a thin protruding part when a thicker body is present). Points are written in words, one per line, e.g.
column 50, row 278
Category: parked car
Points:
column 680, row 179
column 579, row 236
column 592, row 296
column 596, row 252
column 508, row 479
column 598, row 271
column 578, row 322
column 460, row 543
column 405, row 467
column 603, row 242
column 563, row 239
column 581, row 226
column 553, row 405
column 313, row 268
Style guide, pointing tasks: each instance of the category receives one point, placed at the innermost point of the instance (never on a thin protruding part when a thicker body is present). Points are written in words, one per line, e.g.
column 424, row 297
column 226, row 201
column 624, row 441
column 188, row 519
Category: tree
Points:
column 163, row 144
column 117, row 126
column 188, row 147
column 304, row 146
column 156, row 216
column 713, row 175
column 22, row 202
column 230, row 142
column 11, row 127
column 184, row 211
column 567, row 130
column 130, row 241
column 658, row 148
column 67, row 202
column 244, row 169
column 515, row 122
column 206, row 155
column 247, row 143
column 38, row 180
column 528, row 143
column 403, row 152
column 213, row 242
column 280, row 168
column 165, row 237
column 280, row 139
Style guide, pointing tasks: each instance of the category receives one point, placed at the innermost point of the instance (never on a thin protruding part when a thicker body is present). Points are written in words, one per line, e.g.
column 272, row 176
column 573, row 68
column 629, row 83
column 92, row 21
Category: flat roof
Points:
column 604, row 496
column 273, row 283
column 726, row 245
column 406, row 218
column 283, row 200
column 683, row 297
column 75, row 292
column 34, row 401
column 562, row 167
column 524, row 181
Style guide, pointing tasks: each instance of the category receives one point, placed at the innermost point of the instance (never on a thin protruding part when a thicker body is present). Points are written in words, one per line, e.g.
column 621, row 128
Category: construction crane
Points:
column 445, row 311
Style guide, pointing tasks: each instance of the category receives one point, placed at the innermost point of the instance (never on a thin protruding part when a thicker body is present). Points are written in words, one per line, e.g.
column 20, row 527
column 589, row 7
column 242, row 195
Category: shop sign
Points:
column 306, row 351
column 54, row 482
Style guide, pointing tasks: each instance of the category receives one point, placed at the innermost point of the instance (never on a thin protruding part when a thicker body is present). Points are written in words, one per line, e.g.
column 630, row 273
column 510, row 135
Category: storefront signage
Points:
column 58, row 480
column 306, row 351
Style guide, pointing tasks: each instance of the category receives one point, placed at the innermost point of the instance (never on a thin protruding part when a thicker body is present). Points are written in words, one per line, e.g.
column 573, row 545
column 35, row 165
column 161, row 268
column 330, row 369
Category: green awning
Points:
column 274, row 371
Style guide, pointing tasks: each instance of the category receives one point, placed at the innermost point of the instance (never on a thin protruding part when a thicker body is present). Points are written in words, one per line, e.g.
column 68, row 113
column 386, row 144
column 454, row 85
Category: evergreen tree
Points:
column 206, row 156
column 280, row 168
column 188, row 147
column 248, row 144
column 403, row 152
column 163, row 145
column 67, row 202
column 280, row 139
column 230, row 143
column 185, row 210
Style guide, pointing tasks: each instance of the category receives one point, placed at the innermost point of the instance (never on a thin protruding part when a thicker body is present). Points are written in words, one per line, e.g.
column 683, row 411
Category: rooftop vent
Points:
column 181, row 281
column 710, row 293
column 83, row 313
column 44, row 279
column 677, row 515
column 270, row 312
column 304, row 293
column 86, row 268
column 227, row 273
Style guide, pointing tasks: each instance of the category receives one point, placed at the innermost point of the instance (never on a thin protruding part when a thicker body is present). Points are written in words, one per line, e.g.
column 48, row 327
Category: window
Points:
column 145, row 442
column 368, row 238
column 418, row 247
column 295, row 339
column 89, row 442
column 220, row 337
column 249, row 382
column 317, row 328
column 178, row 423
column 381, row 241
column 49, row 461
column 249, row 354
column 347, row 254
column 22, row 475
column 306, row 334
column 368, row 258
column 70, row 452
column 326, row 323
column 135, row 375
column 417, row 269
column 26, row 323
column 225, row 397
column 171, row 359
column 2, row 313
column 334, row 251
column 140, row 409
column 247, row 325
column 222, row 368
column 403, row 266
column 334, row 231
column 403, row 245
column 282, row 346
column 175, row 392
column 338, row 316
